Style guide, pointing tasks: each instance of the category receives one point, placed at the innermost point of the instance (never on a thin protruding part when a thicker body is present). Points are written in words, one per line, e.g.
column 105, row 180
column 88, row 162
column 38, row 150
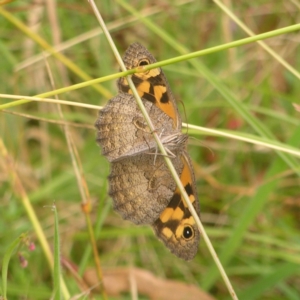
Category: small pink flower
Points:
column 23, row 261
column 234, row 123
column 31, row 246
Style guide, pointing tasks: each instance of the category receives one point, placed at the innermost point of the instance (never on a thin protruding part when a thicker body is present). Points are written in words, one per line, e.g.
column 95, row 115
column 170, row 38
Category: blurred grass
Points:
column 249, row 196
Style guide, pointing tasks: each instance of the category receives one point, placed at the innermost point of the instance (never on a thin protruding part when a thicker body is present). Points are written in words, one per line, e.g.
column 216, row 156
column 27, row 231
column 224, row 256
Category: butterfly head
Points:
column 137, row 56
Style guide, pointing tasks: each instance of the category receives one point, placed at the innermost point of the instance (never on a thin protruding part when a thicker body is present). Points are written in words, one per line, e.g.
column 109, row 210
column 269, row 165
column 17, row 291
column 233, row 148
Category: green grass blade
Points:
column 56, row 269
column 13, row 246
column 290, row 292
column 265, row 282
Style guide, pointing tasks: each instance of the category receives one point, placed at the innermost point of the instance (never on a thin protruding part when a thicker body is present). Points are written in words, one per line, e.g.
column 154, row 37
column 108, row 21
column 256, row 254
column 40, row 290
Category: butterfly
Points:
column 140, row 184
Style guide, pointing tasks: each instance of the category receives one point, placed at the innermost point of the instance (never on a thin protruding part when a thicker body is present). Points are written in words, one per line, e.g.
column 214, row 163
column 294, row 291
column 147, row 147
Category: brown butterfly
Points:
column 141, row 185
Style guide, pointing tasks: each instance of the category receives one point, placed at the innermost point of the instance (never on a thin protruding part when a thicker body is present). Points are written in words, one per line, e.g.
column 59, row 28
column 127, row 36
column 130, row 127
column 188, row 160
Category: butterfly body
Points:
column 140, row 184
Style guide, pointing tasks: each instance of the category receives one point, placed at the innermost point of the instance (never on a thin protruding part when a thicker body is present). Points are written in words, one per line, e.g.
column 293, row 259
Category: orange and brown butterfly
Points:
column 175, row 226
column 143, row 191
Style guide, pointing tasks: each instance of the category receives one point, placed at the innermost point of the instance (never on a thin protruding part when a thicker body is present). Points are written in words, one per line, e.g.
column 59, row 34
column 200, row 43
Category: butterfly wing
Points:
column 176, row 226
column 151, row 85
column 123, row 131
column 142, row 186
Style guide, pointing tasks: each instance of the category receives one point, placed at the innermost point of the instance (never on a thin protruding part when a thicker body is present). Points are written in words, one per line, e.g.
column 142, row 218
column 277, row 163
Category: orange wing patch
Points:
column 151, row 85
column 175, row 225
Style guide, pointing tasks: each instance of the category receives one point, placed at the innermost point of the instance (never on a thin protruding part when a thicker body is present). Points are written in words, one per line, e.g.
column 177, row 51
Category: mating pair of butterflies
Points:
column 140, row 183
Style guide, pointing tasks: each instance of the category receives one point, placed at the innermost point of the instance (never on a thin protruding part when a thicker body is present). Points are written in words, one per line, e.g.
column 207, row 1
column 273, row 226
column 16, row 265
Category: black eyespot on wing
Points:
column 143, row 62
column 188, row 232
